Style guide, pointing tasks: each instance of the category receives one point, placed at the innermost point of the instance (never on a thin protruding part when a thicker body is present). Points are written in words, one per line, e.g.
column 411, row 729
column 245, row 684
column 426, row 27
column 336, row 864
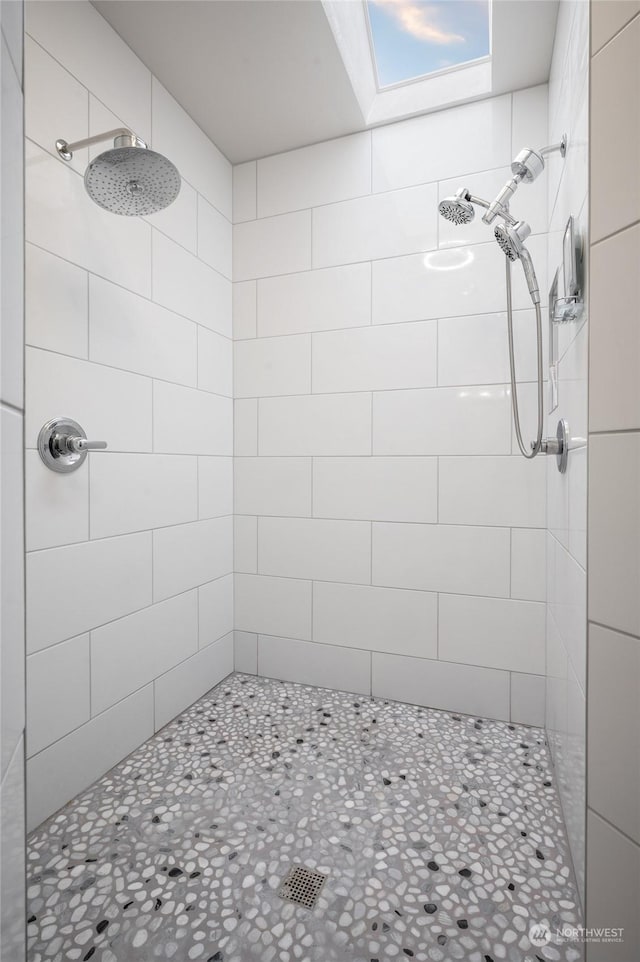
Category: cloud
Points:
column 419, row 20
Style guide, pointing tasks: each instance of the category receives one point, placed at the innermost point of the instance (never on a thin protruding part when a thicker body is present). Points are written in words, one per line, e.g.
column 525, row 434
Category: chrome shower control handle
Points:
column 63, row 445
column 77, row 445
column 558, row 445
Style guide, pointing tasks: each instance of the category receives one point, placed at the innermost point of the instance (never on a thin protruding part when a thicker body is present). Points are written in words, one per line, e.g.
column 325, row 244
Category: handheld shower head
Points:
column 457, row 209
column 130, row 179
column 511, row 240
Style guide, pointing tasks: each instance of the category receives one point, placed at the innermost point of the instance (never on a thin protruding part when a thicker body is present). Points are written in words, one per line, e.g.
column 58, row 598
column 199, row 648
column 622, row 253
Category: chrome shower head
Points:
column 457, row 209
column 130, row 179
column 511, row 239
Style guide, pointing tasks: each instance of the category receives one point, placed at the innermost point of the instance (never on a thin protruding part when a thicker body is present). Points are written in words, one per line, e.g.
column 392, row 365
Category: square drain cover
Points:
column 302, row 886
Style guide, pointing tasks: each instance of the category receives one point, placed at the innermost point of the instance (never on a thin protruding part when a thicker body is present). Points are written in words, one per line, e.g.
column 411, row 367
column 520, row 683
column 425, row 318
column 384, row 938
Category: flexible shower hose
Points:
column 537, row 444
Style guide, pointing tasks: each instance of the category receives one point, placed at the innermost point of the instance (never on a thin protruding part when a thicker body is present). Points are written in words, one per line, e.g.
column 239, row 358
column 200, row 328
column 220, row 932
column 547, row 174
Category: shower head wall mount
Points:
column 525, row 167
column 130, row 179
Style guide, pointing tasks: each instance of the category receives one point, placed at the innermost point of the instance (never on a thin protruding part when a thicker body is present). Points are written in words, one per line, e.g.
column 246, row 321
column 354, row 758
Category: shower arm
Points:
column 126, row 137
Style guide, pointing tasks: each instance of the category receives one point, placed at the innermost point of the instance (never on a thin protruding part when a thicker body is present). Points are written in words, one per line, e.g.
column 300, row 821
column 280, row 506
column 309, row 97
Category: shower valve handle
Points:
column 77, row 445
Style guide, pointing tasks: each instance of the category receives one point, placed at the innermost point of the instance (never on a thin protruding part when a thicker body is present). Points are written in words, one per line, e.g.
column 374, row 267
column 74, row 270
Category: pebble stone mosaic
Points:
column 440, row 835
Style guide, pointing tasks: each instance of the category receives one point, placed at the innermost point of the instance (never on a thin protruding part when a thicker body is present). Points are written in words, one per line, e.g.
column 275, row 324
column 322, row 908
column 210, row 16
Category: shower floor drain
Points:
column 302, row 886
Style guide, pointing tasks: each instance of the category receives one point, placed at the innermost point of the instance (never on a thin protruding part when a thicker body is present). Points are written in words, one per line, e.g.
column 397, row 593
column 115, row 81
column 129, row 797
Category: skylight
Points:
column 413, row 38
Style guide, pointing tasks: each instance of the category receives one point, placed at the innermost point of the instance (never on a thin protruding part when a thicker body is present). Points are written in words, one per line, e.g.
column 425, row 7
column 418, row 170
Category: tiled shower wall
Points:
column 388, row 536
column 12, row 719
column 128, row 331
column 567, row 493
column 613, row 786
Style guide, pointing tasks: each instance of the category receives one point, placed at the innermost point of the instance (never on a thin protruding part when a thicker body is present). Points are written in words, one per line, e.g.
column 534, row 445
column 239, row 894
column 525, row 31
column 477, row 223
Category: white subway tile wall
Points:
column 128, row 327
column 387, row 536
column 613, row 816
column 12, row 533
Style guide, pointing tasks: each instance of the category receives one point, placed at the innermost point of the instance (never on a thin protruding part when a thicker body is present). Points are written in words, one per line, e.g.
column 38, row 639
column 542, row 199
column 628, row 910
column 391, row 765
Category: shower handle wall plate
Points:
column 558, row 445
column 63, row 445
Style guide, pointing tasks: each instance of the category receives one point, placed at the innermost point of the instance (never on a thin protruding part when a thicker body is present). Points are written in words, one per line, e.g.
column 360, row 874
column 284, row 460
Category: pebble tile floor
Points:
column 440, row 835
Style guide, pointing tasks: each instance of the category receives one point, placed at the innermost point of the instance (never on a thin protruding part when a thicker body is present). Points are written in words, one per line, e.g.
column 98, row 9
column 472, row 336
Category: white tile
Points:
column 376, row 489
column 273, row 366
column 615, row 79
column 199, row 161
column 133, row 492
column 527, row 699
column 110, row 405
column 275, row 245
column 275, row 486
column 12, row 189
column 614, row 723
column 190, row 555
column 245, row 427
column 464, row 420
column 56, row 303
column 133, row 333
column 215, row 609
column 451, row 282
column 320, row 174
column 12, row 589
column 215, row 362
column 493, row 632
column 56, row 105
column 179, row 220
column 380, row 225
column 438, row 684
column 57, row 505
column 313, row 548
column 191, row 422
column 328, row 425
column 245, row 652
column 72, row 33
column 469, row 138
column 475, row 349
column 184, row 684
column 321, row 665
column 614, row 373
column 613, row 888
column 456, row 558
column 215, row 487
column 273, row 605
column 567, row 600
column 530, row 123
column 245, row 544
column 58, row 692
column 320, row 300
column 148, row 642
column 64, row 769
column 528, row 564
column 190, row 287
column 614, row 531
column 214, row 238
column 244, row 192
column 117, row 248
column 608, row 17
column 111, row 578
column 376, row 358
column 499, row 491
column 376, row 619
column 12, row 840
column 245, row 310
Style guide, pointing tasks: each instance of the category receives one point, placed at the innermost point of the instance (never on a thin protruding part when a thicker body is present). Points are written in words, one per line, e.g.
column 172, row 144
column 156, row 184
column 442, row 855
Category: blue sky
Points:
column 415, row 37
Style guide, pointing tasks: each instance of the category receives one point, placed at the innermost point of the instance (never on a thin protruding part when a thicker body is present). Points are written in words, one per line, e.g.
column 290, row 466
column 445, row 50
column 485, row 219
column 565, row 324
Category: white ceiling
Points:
column 264, row 76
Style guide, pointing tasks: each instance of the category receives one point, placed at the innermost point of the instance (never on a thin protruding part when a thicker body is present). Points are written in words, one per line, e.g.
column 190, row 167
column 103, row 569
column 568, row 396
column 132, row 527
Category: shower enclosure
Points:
column 306, row 610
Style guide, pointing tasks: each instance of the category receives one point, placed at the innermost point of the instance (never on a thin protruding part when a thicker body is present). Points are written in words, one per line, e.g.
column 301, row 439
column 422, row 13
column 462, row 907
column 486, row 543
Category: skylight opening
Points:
column 414, row 39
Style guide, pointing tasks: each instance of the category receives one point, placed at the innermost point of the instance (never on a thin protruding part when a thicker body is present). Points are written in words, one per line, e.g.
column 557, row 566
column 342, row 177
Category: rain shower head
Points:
column 457, row 209
column 130, row 179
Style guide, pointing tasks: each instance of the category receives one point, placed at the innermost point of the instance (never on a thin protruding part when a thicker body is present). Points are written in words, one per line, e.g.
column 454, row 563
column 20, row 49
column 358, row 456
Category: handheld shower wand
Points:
column 511, row 236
